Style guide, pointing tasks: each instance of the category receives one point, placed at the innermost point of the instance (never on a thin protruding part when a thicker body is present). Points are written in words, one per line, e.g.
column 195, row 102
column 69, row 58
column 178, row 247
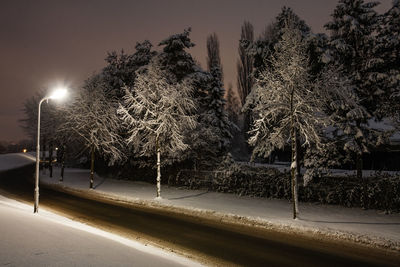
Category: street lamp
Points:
column 57, row 94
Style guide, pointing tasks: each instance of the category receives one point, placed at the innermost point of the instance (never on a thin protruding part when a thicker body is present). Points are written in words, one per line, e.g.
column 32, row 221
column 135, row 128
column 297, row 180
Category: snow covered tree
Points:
column 178, row 64
column 216, row 109
column 157, row 114
column 211, row 136
column 388, row 74
column 174, row 58
column 215, row 96
column 92, row 118
column 120, row 69
column 352, row 38
column 290, row 105
column 205, row 138
column 264, row 47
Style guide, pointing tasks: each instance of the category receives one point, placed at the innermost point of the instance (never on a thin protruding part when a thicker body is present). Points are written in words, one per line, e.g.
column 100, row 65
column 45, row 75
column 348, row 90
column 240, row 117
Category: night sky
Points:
column 45, row 43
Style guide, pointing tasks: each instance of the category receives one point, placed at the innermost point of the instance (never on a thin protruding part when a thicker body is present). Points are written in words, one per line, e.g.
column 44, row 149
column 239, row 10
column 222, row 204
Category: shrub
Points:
column 383, row 190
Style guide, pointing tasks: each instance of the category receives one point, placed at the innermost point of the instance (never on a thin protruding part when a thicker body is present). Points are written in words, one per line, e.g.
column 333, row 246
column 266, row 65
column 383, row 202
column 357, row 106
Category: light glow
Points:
column 59, row 93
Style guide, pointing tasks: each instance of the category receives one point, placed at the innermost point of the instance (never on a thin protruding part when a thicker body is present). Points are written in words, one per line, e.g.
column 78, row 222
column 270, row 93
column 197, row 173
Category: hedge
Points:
column 382, row 190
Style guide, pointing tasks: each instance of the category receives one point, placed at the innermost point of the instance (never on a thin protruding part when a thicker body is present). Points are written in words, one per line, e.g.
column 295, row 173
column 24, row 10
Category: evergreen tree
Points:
column 245, row 63
column 388, row 74
column 216, row 109
column 174, row 58
column 213, row 55
column 120, row 69
column 351, row 49
column 215, row 95
column 264, row 47
column 351, row 42
column 232, row 105
column 245, row 76
column 205, row 138
column 212, row 135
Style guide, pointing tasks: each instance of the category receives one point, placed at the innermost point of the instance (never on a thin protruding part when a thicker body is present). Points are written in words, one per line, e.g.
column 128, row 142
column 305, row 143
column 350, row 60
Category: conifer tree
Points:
column 245, row 63
column 351, row 45
column 120, row 69
column 174, row 58
column 388, row 74
column 213, row 55
column 232, row 105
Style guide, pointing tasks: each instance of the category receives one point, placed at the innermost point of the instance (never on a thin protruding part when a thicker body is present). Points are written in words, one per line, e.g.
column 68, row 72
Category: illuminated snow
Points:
column 51, row 234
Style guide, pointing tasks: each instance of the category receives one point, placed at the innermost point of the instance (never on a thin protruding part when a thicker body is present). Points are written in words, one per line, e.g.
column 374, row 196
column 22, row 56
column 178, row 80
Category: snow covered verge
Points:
column 367, row 227
column 81, row 244
column 15, row 160
column 381, row 191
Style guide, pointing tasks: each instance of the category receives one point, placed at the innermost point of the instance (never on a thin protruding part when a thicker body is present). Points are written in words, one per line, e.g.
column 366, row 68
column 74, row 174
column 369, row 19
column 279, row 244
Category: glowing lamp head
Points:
column 59, row 93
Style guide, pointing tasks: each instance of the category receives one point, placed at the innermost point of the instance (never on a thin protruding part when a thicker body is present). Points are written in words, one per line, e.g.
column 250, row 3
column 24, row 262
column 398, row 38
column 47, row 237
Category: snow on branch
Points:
column 157, row 112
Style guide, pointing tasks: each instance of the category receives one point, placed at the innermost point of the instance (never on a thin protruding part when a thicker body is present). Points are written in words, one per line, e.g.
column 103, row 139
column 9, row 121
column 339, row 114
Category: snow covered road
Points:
column 371, row 227
column 46, row 239
column 201, row 220
column 15, row 160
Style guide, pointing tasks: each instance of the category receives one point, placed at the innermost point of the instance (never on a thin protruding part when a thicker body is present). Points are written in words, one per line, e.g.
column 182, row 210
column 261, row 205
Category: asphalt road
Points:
column 210, row 242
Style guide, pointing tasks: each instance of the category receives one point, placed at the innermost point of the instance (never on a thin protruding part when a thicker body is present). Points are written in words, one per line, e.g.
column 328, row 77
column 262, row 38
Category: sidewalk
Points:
column 370, row 227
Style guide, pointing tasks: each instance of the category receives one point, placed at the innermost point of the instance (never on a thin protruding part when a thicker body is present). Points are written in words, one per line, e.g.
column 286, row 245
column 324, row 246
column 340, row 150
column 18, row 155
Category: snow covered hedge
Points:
column 383, row 191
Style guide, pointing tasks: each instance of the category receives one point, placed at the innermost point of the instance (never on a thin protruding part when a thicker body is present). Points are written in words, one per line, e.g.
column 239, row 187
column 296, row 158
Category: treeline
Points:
column 313, row 93
column 145, row 103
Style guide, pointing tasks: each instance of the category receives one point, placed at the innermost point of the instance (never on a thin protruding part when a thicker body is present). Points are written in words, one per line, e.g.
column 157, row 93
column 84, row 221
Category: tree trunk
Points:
column 50, row 160
column 359, row 166
column 91, row 167
column 294, row 173
column 43, row 150
column 363, row 181
column 158, row 169
column 43, row 165
column 294, row 165
column 62, row 163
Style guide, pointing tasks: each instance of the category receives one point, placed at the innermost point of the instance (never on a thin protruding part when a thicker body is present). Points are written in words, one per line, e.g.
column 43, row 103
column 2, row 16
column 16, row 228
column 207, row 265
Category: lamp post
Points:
column 57, row 94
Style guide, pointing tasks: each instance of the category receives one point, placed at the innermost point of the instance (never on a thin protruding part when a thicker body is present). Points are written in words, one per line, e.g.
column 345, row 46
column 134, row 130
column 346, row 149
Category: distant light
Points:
column 56, row 148
column 24, row 150
column 58, row 93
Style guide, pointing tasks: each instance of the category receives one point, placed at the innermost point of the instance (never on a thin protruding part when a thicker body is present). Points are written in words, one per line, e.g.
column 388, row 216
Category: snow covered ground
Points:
column 370, row 227
column 15, row 160
column 46, row 239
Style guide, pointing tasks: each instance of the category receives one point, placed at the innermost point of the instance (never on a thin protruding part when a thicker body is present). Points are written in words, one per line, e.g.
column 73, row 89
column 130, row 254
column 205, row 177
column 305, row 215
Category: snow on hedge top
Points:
column 15, row 160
